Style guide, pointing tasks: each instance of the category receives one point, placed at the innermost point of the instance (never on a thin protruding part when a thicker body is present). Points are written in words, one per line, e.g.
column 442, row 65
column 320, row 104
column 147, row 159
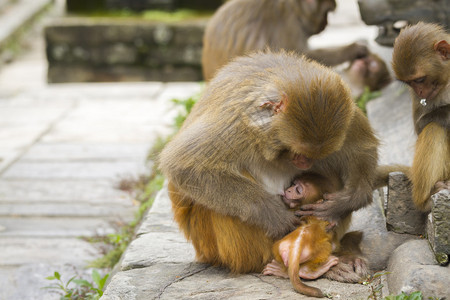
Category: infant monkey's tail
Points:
column 294, row 268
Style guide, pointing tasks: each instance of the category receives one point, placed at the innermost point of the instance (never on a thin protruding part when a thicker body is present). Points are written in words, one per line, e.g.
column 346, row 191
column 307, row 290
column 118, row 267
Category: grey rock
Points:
column 438, row 225
column 413, row 267
column 401, row 215
column 377, row 243
column 385, row 14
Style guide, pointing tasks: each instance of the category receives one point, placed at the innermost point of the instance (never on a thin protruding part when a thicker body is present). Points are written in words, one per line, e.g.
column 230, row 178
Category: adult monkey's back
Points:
column 242, row 26
column 263, row 120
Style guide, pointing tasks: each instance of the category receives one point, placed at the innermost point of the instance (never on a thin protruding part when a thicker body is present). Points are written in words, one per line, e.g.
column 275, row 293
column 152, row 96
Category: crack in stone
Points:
column 182, row 277
column 261, row 276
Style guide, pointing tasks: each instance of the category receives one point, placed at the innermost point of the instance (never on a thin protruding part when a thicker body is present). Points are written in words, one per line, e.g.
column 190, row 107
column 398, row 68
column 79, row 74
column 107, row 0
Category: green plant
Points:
column 374, row 284
column 187, row 104
column 366, row 96
column 77, row 288
column 403, row 296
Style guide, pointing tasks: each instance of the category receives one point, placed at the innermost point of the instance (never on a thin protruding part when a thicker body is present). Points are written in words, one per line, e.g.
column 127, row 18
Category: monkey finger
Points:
column 303, row 213
column 331, row 225
column 315, row 207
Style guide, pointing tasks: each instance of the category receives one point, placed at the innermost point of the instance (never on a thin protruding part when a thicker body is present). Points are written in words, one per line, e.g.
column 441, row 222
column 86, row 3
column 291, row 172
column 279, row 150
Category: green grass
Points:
column 152, row 15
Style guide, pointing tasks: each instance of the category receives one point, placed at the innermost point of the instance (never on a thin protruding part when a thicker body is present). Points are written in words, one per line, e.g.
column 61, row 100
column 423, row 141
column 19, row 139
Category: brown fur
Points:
column 233, row 157
column 242, row 26
column 421, row 59
column 316, row 242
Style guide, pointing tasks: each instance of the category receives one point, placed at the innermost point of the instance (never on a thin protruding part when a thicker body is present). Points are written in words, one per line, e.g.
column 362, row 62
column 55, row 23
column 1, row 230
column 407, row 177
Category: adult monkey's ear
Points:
column 443, row 48
column 275, row 106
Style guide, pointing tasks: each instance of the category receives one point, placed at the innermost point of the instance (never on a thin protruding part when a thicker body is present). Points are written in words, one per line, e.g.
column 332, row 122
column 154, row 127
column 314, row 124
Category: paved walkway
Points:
column 63, row 151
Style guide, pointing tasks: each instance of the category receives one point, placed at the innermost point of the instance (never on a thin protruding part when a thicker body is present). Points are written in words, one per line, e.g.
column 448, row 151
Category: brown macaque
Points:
column 421, row 59
column 262, row 121
column 242, row 26
column 370, row 71
column 305, row 252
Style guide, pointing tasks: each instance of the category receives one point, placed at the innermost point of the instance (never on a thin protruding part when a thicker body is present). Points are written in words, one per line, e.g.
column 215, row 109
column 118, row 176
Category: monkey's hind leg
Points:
column 352, row 266
column 195, row 222
column 220, row 240
column 431, row 163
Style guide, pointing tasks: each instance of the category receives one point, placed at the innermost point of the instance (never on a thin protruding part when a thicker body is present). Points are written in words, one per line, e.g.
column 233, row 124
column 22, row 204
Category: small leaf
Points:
column 96, row 277
column 82, row 282
column 57, row 275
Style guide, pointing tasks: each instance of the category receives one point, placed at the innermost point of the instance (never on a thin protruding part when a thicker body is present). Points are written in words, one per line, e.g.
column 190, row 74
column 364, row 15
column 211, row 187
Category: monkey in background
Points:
column 370, row 71
column 421, row 59
column 242, row 26
column 263, row 120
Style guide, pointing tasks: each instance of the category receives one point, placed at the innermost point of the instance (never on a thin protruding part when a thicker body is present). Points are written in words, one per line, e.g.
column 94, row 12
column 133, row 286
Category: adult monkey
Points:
column 421, row 59
column 242, row 26
column 263, row 120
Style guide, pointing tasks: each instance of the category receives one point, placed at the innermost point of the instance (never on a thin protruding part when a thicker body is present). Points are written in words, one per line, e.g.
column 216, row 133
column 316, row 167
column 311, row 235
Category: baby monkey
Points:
column 305, row 252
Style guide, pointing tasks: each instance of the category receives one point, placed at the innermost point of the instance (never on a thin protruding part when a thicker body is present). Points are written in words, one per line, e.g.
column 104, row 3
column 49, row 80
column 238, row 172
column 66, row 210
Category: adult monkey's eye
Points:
column 420, row 80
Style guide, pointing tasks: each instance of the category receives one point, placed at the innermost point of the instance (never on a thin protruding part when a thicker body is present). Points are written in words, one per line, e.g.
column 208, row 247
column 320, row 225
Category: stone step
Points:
column 57, row 227
column 109, row 212
column 87, row 151
column 63, row 191
column 75, row 170
column 28, row 281
column 21, row 251
column 15, row 16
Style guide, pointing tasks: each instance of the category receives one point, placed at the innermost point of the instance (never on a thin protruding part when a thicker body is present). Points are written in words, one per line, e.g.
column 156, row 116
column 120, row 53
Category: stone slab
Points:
column 13, row 280
column 107, row 212
column 87, row 151
column 74, row 170
column 18, row 251
column 61, row 191
column 54, row 227
column 413, row 267
column 198, row 281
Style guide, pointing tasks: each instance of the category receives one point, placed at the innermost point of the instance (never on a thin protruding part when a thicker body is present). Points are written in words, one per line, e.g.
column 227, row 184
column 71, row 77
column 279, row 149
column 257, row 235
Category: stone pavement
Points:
column 63, row 151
